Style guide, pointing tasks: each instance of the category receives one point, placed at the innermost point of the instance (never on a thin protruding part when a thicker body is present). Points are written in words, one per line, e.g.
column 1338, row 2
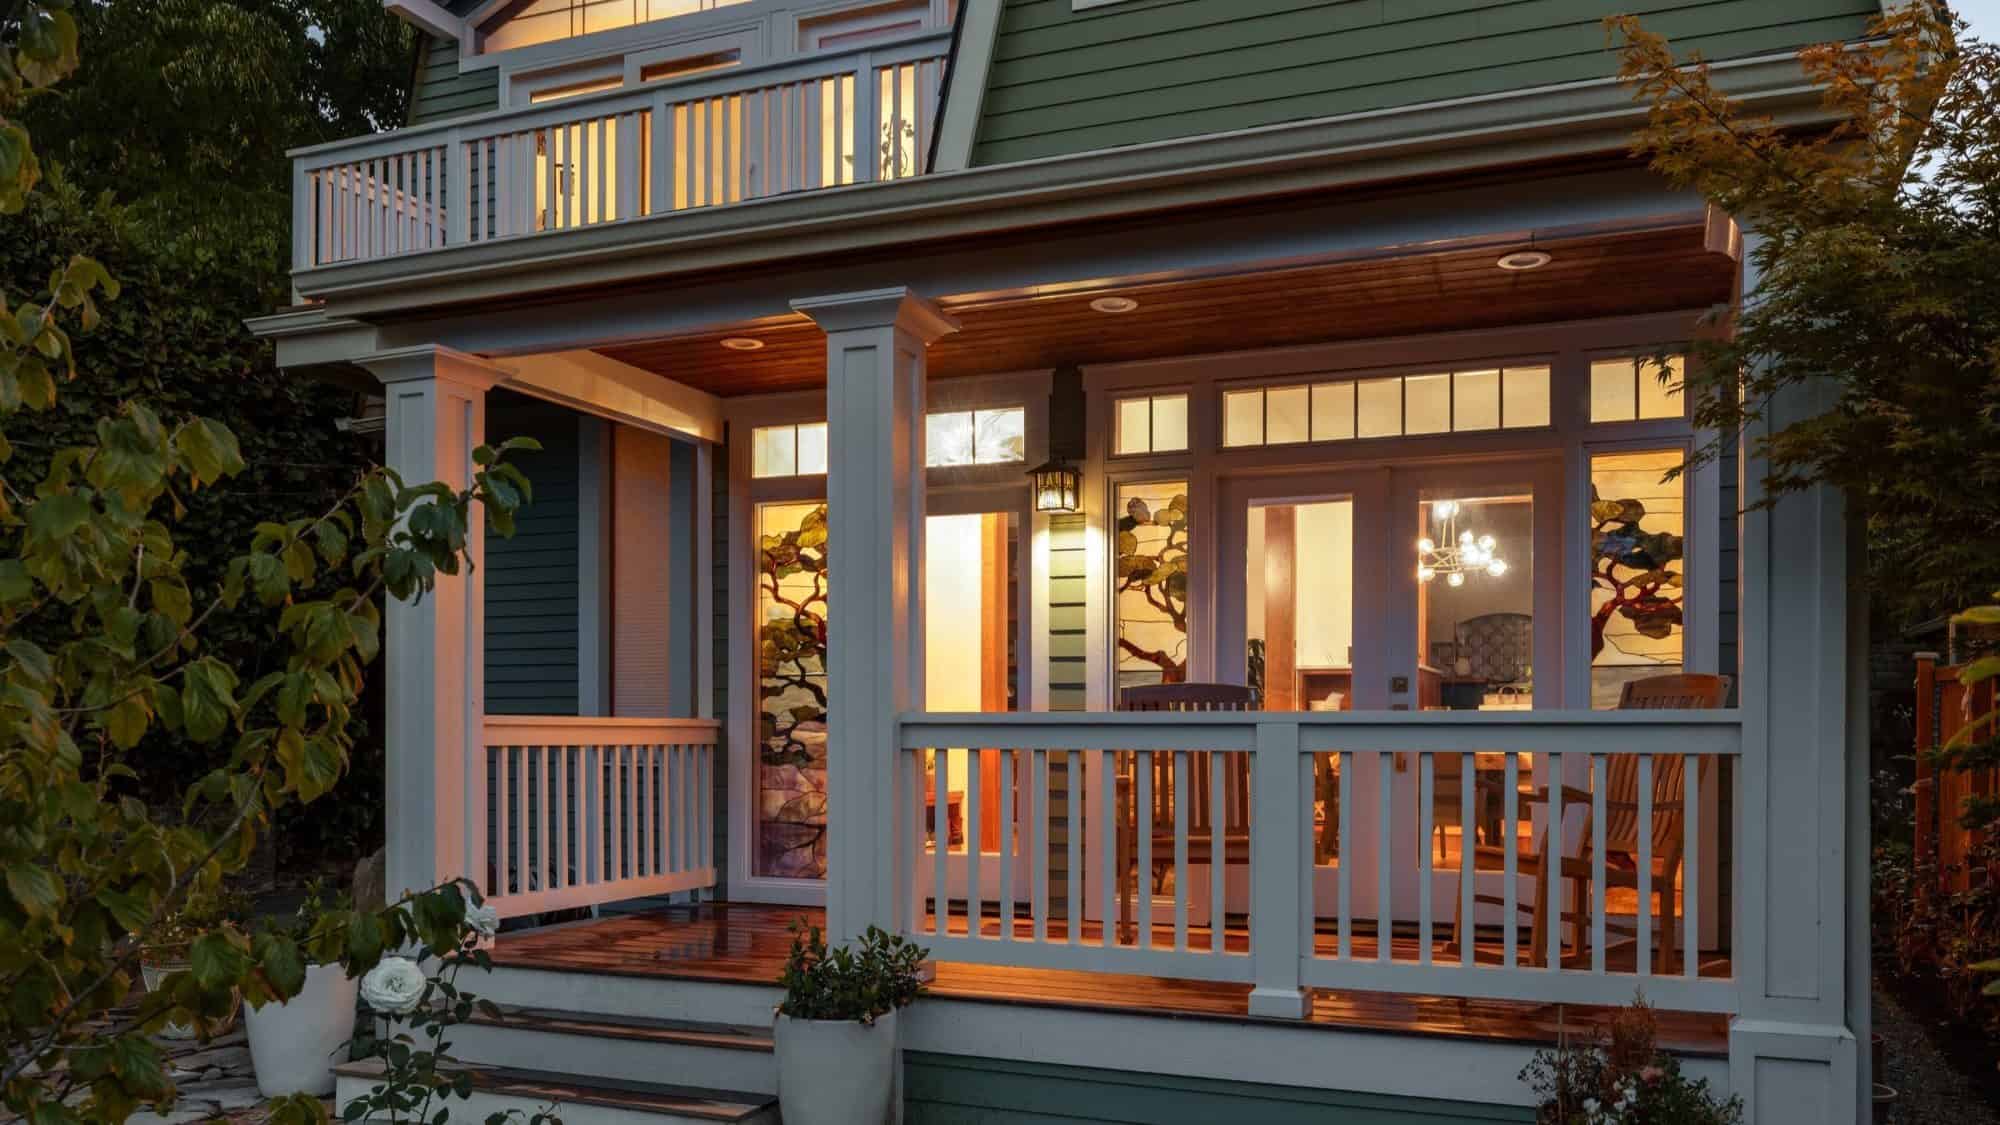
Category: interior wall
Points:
column 1325, row 584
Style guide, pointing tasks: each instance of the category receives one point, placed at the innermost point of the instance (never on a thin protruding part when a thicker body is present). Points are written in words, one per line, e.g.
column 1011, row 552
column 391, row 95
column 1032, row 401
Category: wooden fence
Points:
column 1942, row 711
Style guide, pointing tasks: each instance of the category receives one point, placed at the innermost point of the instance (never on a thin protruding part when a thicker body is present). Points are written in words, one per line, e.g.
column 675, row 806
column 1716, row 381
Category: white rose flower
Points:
column 394, row 986
column 484, row 920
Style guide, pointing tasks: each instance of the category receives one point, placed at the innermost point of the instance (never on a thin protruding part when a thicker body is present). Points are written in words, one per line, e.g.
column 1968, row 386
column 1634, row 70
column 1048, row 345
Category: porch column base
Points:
column 1280, row 1003
column 1795, row 1073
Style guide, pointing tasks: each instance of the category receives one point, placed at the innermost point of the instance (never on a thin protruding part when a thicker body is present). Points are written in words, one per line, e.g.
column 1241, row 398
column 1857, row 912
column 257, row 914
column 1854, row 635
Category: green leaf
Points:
column 129, row 910
column 282, row 964
column 218, row 959
column 34, row 889
column 210, row 450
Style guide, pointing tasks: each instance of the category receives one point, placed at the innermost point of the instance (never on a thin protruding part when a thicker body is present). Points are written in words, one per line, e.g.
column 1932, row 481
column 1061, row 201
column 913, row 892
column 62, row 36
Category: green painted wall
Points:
column 531, row 579
column 955, row 1090
column 1067, row 568
column 1148, row 70
column 440, row 92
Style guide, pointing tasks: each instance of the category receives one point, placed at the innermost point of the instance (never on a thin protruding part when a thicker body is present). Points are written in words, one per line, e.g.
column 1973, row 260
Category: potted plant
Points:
column 165, row 952
column 293, row 1042
column 836, row 1027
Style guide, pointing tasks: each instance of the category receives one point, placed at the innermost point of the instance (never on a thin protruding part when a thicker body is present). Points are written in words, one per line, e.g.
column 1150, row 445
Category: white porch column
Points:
column 1793, row 1046
column 875, row 345
column 435, row 648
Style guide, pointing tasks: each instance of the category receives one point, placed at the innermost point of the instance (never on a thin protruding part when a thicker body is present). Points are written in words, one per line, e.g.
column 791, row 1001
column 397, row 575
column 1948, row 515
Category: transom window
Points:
column 794, row 450
column 1630, row 389
column 1151, row 424
column 975, row 437
column 545, row 21
column 1445, row 402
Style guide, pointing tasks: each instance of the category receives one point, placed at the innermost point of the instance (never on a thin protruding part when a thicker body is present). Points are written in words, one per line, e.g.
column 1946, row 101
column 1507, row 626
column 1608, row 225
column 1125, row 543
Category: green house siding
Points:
column 1149, row 70
column 531, row 579
column 954, row 1090
column 441, row 92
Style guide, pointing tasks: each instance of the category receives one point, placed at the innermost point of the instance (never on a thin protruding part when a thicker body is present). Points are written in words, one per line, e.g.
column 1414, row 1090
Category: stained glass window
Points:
column 791, row 671
column 1637, row 570
column 1152, row 583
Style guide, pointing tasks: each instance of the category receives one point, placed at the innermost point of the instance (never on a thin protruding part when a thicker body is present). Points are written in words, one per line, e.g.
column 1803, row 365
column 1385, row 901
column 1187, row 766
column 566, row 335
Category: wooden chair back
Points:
column 1236, row 772
column 1688, row 692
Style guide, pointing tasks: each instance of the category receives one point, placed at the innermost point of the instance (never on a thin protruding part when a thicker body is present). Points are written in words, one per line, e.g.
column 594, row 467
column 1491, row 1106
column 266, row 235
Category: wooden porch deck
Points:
column 744, row 943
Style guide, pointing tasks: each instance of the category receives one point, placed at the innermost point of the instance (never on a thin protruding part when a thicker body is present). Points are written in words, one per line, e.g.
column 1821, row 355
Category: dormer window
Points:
column 546, row 21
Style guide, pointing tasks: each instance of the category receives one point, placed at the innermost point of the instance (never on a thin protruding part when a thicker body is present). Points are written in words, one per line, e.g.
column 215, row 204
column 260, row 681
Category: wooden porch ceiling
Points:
column 1592, row 276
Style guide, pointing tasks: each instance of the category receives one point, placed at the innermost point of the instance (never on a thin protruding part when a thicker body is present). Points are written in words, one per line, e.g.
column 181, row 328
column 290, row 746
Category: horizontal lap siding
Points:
column 531, row 578
column 954, row 1090
column 1067, row 687
column 1148, row 70
column 441, row 92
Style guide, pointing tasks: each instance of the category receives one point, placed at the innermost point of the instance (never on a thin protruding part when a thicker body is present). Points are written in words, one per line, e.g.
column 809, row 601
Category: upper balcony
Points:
column 725, row 105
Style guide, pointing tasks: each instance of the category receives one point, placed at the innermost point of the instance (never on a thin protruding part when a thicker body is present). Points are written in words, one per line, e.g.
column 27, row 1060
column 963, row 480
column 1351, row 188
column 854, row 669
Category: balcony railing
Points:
column 582, row 811
column 1305, row 850
column 722, row 138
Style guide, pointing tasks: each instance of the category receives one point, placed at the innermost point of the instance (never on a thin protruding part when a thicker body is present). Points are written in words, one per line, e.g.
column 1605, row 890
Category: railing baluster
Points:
column 559, row 804
column 1302, row 848
column 1552, row 861
column 522, row 829
column 1142, row 839
column 975, row 859
column 1691, row 866
column 1510, row 825
column 1073, row 877
column 1468, row 857
column 497, row 793
column 941, row 832
column 1599, row 784
column 1038, row 816
column 1385, row 874
column 1108, row 826
column 1344, row 856
column 1642, row 917
column 546, row 834
column 1426, row 800
column 1183, row 793
column 1218, row 867
column 1006, row 844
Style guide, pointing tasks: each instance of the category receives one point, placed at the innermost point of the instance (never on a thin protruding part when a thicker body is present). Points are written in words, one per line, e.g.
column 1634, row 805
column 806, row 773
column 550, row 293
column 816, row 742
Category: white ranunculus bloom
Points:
column 394, row 986
column 484, row 920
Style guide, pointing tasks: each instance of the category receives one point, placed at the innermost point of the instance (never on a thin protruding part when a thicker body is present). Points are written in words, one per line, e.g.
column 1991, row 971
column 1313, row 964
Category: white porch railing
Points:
column 719, row 138
column 582, row 811
column 1326, row 827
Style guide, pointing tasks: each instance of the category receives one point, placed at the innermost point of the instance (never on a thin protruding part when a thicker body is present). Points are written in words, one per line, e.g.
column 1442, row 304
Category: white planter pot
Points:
column 293, row 1045
column 152, row 975
column 837, row 1072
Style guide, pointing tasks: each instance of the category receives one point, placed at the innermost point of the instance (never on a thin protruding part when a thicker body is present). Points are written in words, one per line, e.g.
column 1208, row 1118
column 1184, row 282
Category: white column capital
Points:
column 896, row 307
column 433, row 361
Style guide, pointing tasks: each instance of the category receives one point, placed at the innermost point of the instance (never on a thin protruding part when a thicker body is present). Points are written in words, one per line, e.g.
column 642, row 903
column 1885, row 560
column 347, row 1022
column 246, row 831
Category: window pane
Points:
column 1135, row 425
column 791, row 690
column 1333, row 411
column 812, row 449
column 1242, row 418
column 1526, row 394
column 1637, row 570
column 1151, row 598
column 1476, row 603
column 1285, row 418
column 1379, row 407
column 1170, row 423
column 1427, row 403
column 1658, row 399
column 948, row 439
column 1613, row 391
column 1475, row 403
column 772, row 451
column 1000, row 436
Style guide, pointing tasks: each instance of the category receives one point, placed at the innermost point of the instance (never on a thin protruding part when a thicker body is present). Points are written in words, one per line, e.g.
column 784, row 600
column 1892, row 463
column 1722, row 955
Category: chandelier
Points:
column 1455, row 553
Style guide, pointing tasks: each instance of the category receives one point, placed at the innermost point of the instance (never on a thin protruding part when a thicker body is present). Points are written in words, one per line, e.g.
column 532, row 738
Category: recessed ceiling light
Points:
column 1114, row 304
column 1521, row 260
column 742, row 343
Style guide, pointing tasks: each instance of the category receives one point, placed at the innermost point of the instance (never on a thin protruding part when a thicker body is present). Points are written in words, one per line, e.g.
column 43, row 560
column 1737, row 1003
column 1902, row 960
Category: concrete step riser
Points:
column 632, row 1060
column 641, row 997
column 475, row 1110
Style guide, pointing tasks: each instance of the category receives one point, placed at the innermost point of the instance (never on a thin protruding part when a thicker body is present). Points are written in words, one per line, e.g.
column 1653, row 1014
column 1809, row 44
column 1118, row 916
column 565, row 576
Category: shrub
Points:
column 1623, row 1080
column 862, row 982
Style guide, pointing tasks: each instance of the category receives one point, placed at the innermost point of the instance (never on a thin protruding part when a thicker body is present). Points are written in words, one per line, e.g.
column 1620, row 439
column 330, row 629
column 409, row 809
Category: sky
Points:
column 1984, row 15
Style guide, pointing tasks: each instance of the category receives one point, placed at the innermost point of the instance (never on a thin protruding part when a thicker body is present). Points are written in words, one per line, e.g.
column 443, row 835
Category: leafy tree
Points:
column 792, row 578
column 1153, row 583
column 105, row 637
column 1878, row 257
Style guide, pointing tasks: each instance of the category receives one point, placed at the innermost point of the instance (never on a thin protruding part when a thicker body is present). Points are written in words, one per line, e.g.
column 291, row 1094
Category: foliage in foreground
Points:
column 1624, row 1080
column 1877, row 254
column 862, row 981
column 105, row 636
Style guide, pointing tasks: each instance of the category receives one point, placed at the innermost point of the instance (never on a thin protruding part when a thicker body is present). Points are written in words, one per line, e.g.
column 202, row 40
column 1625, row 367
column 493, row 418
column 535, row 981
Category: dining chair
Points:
column 1197, row 790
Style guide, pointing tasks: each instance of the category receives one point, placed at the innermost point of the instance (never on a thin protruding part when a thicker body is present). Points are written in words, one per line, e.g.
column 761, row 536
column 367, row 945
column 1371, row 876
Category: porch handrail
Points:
column 1301, row 934
column 580, row 811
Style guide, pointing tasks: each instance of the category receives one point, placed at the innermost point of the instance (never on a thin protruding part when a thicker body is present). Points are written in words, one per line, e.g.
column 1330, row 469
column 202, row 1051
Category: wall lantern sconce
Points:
column 1058, row 483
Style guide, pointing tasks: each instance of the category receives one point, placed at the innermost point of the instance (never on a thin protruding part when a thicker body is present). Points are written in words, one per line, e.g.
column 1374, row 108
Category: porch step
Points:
column 654, row 995
column 621, row 1047
column 579, row 1101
